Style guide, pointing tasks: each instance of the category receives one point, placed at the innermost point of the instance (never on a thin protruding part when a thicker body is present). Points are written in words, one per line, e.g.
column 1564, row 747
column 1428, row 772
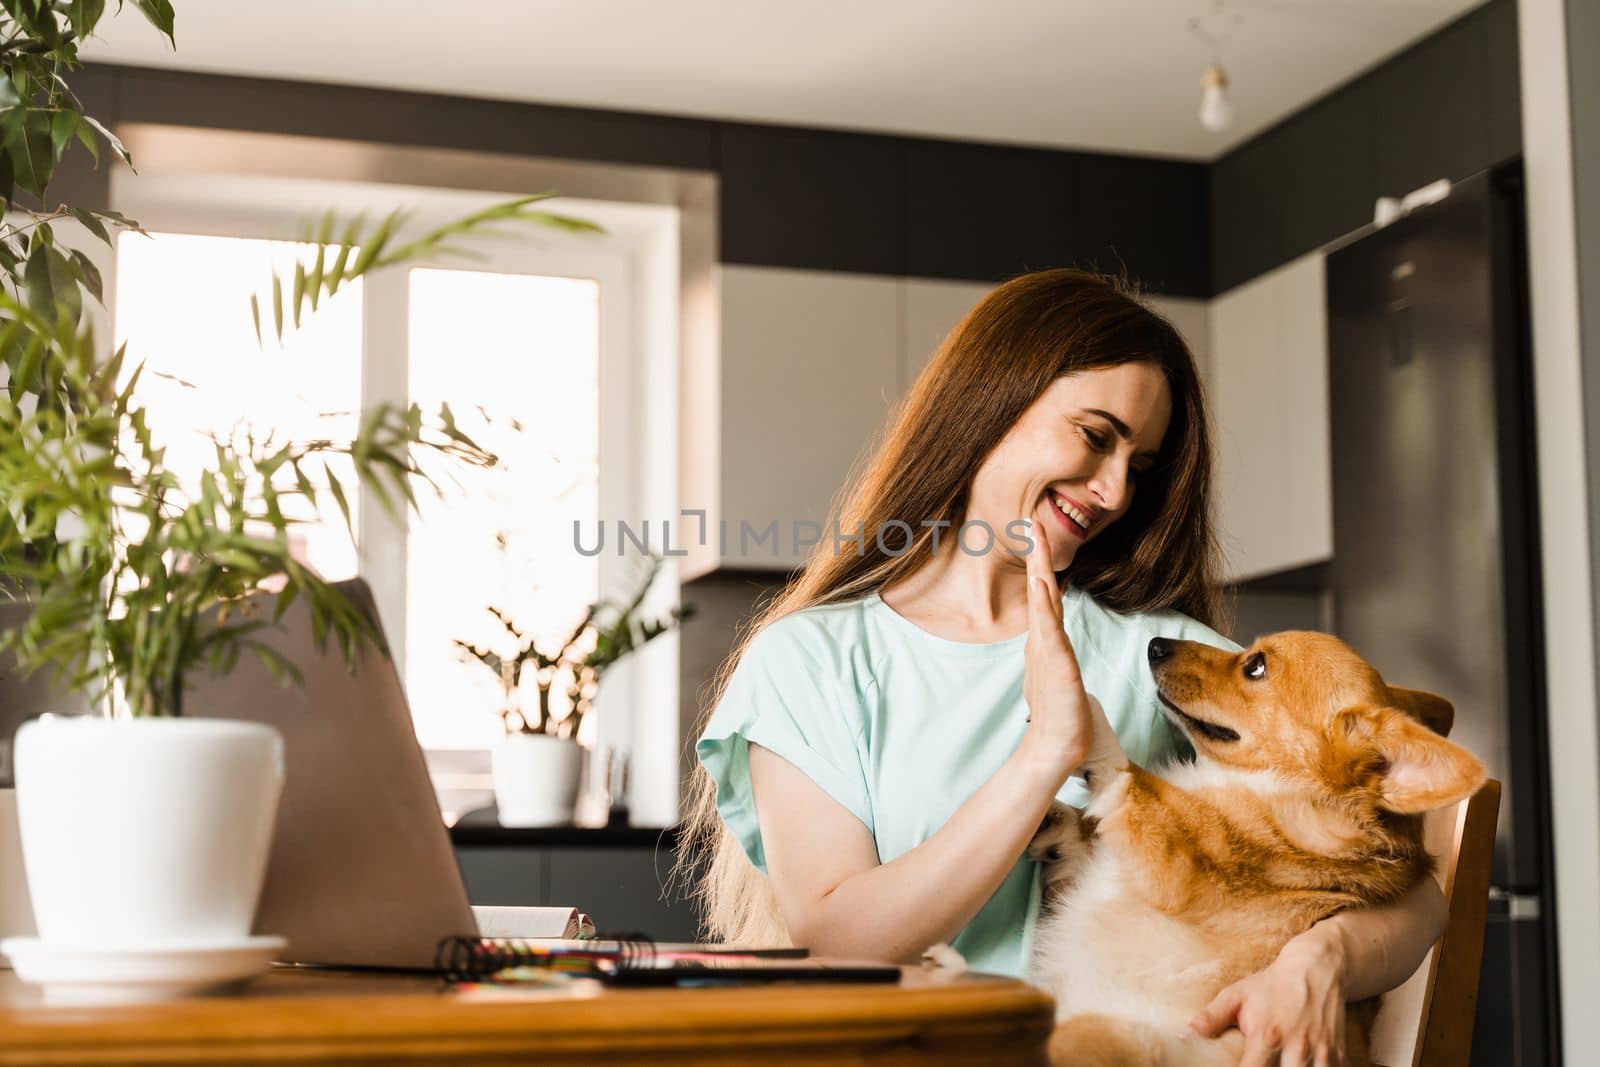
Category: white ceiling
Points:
column 1108, row 75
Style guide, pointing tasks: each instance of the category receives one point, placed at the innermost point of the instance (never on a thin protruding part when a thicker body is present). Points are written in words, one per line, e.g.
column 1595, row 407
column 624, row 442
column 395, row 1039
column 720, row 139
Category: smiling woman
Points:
column 895, row 725
column 896, row 683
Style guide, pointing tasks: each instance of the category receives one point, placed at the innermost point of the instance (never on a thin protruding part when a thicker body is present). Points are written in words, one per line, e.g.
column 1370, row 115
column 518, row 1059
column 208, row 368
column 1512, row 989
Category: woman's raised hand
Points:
column 1060, row 718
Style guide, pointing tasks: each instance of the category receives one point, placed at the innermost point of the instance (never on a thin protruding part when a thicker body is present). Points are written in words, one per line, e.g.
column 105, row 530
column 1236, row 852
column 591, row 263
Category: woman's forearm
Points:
column 1379, row 948
column 894, row 911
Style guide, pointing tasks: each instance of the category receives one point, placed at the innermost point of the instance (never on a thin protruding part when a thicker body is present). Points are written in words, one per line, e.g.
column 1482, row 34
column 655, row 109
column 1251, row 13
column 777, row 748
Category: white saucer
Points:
column 122, row 973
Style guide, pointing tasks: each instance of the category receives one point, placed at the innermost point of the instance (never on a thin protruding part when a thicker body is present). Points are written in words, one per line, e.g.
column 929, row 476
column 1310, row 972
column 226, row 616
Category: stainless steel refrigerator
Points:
column 1435, row 574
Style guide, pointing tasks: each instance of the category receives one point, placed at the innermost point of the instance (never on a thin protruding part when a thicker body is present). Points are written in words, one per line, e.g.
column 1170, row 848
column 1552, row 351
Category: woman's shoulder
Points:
column 824, row 623
column 816, row 636
column 804, row 659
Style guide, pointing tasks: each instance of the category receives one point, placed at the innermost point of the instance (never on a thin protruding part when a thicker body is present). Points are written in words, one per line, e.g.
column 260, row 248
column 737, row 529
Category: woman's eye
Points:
column 1255, row 668
column 1097, row 441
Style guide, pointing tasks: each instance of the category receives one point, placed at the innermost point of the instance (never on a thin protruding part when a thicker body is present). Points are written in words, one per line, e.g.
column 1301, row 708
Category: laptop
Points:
column 23, row 698
column 362, row 872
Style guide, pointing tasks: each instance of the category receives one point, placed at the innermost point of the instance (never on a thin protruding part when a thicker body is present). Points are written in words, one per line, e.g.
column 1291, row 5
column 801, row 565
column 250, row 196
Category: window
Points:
column 184, row 313
column 528, row 345
column 567, row 343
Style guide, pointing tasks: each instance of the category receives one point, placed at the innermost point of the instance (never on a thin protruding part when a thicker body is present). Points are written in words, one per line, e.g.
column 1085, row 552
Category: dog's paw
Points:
column 1062, row 826
column 943, row 957
column 942, row 964
column 1060, row 844
column 1106, row 757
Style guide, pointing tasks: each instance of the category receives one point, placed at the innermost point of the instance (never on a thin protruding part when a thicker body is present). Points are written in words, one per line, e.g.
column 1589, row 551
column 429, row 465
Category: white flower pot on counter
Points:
column 536, row 779
column 145, row 835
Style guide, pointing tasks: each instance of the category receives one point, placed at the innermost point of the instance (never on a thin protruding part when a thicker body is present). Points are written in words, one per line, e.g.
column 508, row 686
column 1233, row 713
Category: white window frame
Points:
column 636, row 263
column 385, row 379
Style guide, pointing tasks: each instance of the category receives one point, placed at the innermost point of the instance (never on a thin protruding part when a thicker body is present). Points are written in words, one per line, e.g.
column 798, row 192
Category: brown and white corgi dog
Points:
column 1306, row 799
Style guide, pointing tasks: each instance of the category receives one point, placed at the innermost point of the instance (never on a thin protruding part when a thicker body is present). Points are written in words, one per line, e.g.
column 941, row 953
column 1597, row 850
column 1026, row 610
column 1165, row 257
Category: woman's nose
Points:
column 1110, row 484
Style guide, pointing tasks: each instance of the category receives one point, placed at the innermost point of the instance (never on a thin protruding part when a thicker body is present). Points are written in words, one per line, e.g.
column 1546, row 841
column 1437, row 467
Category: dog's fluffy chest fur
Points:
column 1115, row 943
column 1192, row 881
column 1107, row 949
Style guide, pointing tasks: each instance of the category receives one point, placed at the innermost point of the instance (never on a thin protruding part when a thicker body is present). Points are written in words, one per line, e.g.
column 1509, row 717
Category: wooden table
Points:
column 329, row 1017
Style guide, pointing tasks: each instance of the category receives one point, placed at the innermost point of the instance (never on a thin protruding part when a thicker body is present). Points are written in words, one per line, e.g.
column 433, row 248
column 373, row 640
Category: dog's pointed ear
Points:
column 1434, row 712
column 1418, row 770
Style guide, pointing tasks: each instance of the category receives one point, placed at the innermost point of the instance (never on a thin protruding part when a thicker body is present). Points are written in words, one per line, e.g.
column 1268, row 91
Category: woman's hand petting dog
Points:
column 1060, row 720
column 1292, row 1013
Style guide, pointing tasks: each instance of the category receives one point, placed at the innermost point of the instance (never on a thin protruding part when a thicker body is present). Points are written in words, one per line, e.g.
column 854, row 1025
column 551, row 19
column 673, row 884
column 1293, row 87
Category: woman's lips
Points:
column 1067, row 523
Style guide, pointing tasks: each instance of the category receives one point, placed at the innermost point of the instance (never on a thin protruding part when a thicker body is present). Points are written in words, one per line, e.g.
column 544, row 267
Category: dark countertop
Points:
column 481, row 829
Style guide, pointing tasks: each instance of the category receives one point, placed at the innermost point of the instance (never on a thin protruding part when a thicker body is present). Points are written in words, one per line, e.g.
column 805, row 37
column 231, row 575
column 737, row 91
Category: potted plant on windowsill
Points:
column 145, row 833
column 536, row 766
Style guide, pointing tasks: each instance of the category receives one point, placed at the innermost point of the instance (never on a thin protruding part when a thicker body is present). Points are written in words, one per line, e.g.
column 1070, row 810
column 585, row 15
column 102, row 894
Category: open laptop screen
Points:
column 361, row 872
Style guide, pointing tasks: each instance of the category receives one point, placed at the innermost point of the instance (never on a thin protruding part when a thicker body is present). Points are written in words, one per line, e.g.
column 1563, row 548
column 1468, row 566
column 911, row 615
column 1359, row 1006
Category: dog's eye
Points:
column 1255, row 668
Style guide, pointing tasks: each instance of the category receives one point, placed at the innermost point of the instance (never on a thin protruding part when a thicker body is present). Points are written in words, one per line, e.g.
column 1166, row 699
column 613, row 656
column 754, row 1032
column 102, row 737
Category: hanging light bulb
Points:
column 1216, row 110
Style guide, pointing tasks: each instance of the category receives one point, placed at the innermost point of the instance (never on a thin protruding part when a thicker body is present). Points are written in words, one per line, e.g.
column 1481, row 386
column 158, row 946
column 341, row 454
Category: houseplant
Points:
column 152, row 827
column 536, row 766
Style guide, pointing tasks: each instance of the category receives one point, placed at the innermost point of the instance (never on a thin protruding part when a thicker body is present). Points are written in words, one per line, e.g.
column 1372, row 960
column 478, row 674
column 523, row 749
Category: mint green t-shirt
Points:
column 901, row 727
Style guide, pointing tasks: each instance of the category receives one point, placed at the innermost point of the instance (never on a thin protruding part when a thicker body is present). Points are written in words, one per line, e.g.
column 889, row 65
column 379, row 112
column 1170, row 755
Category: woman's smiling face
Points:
column 1072, row 462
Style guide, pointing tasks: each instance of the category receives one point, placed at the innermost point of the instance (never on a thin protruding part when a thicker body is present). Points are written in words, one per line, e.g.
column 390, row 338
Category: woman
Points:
column 888, row 737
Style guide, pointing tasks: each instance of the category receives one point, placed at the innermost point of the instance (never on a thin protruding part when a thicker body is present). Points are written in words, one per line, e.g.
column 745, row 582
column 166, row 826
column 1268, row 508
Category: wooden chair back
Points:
column 1427, row 1022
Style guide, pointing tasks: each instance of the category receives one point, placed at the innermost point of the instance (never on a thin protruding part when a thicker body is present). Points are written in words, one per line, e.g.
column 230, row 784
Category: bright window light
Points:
column 523, row 349
column 182, row 306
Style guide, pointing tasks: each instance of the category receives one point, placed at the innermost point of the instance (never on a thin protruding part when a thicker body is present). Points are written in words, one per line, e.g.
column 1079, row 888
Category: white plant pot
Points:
column 16, row 911
column 146, row 831
column 536, row 779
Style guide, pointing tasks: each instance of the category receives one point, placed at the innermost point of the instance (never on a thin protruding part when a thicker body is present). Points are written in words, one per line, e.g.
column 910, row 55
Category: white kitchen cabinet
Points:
column 807, row 367
column 930, row 308
column 1268, row 381
column 1192, row 319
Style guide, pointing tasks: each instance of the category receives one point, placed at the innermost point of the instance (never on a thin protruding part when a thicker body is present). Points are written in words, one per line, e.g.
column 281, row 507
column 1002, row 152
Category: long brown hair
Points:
column 1006, row 351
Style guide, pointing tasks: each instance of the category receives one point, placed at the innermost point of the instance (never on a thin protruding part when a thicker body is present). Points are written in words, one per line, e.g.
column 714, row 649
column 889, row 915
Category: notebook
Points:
column 638, row 960
column 738, row 970
column 542, row 923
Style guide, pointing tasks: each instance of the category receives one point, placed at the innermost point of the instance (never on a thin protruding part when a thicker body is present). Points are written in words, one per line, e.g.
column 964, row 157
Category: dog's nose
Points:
column 1159, row 649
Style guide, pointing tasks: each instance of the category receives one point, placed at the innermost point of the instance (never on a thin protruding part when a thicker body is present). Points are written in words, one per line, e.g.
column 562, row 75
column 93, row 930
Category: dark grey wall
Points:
column 940, row 209
column 1447, row 107
column 790, row 197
